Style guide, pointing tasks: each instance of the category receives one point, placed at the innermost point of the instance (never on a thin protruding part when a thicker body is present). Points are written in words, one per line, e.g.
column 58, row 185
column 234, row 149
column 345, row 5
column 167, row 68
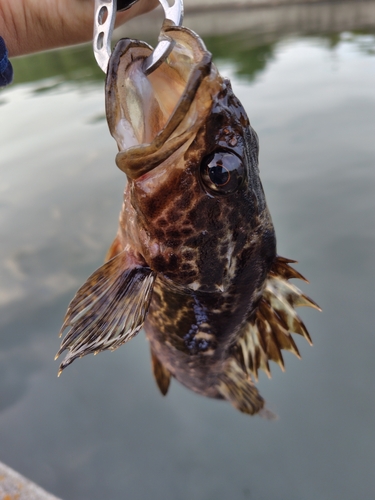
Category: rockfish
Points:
column 194, row 261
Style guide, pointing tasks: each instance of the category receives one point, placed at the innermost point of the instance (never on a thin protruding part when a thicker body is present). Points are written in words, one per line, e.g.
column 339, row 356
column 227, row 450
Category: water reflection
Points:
column 72, row 65
column 102, row 430
column 249, row 55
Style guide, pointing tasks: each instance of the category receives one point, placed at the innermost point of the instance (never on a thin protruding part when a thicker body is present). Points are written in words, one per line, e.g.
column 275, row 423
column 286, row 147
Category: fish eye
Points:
column 222, row 172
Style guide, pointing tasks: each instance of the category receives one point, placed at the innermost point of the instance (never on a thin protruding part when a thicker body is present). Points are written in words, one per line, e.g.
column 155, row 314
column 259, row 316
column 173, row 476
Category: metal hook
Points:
column 164, row 47
column 104, row 22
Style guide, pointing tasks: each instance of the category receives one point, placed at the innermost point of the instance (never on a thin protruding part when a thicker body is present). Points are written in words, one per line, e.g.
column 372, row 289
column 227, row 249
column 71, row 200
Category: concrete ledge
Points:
column 215, row 5
column 261, row 18
column 13, row 486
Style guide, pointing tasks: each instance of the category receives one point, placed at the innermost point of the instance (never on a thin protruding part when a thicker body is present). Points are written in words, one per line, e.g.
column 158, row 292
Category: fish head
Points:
column 191, row 158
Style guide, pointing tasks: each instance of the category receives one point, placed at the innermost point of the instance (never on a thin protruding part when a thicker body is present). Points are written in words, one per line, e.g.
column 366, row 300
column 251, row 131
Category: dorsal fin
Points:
column 108, row 309
column 161, row 373
column 269, row 329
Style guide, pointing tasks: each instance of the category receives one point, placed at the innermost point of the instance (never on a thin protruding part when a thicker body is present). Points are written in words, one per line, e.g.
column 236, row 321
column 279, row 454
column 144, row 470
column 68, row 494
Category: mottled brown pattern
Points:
column 196, row 226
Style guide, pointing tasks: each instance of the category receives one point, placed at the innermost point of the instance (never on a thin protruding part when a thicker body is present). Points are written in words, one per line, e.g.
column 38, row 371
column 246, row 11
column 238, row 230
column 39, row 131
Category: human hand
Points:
column 34, row 25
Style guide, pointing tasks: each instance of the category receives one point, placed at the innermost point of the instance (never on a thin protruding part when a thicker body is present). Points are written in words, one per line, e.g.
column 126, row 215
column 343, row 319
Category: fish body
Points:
column 194, row 260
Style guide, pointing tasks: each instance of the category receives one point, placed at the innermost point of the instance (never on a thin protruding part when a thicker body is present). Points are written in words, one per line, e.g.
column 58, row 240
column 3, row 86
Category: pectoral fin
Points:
column 161, row 374
column 108, row 310
column 114, row 249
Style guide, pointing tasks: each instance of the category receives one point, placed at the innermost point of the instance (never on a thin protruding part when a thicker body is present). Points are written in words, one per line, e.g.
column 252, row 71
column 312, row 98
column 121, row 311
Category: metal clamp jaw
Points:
column 104, row 22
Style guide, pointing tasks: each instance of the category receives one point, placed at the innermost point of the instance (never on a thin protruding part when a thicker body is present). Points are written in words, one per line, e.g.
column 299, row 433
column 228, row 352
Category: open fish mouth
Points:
column 152, row 115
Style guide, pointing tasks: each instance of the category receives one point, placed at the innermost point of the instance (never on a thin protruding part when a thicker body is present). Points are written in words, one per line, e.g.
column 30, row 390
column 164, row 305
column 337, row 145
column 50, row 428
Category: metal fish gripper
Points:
column 104, row 22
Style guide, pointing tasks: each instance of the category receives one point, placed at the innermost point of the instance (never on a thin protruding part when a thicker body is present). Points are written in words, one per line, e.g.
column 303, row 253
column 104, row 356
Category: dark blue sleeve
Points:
column 6, row 70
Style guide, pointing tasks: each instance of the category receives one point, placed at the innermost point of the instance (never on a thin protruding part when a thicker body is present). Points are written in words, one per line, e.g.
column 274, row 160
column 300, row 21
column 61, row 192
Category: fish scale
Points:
column 194, row 261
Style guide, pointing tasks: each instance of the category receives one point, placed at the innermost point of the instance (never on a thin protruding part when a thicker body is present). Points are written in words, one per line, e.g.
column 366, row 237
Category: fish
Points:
column 194, row 261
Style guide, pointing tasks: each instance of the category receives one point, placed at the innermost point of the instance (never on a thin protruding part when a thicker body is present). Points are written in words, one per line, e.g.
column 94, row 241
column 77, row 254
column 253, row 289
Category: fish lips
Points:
column 152, row 116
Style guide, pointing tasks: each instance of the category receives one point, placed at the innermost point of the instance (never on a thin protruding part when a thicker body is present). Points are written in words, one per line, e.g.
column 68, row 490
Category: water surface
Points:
column 102, row 430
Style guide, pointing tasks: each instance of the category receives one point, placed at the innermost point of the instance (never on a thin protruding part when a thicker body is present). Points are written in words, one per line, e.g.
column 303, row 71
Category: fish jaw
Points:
column 151, row 116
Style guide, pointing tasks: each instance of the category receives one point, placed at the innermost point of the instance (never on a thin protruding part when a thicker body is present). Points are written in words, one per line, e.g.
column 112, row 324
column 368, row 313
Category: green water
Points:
column 102, row 430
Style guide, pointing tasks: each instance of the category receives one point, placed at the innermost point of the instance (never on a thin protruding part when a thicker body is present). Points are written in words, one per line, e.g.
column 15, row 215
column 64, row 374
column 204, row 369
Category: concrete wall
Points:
column 262, row 17
column 191, row 5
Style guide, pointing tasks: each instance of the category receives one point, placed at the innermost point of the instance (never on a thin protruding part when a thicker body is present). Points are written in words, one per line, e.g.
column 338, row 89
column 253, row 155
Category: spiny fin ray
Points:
column 273, row 350
column 281, row 334
column 282, row 268
column 108, row 309
column 269, row 329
